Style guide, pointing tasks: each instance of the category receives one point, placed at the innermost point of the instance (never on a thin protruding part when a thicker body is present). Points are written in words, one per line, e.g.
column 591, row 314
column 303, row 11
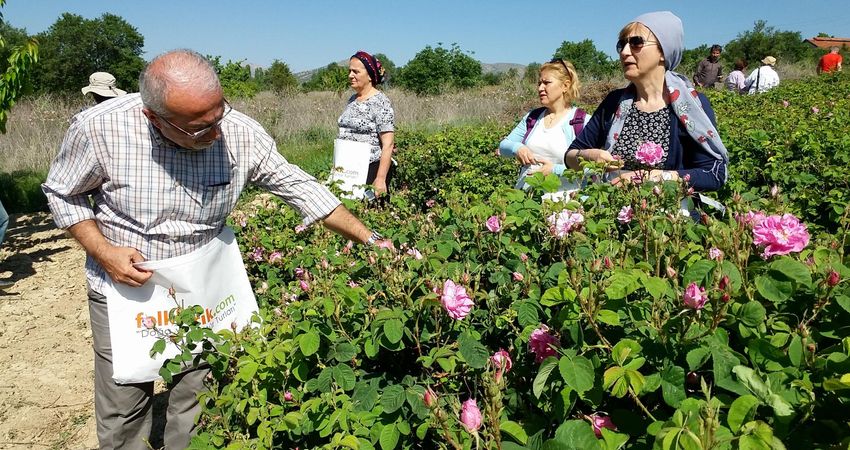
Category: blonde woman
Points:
column 541, row 138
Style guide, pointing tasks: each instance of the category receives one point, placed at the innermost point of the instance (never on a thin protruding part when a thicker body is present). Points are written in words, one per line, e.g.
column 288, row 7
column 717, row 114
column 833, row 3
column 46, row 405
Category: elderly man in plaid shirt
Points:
column 166, row 167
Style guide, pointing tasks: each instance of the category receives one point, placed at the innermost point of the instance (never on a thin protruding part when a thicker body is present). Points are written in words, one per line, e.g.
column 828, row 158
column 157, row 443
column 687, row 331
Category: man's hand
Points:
column 380, row 185
column 118, row 263
column 545, row 167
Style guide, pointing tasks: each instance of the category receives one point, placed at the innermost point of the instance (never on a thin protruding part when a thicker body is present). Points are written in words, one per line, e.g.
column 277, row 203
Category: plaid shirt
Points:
column 158, row 198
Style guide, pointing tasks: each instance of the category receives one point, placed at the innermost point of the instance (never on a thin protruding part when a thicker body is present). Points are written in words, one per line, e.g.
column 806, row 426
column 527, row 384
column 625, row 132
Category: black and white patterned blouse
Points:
column 641, row 127
column 363, row 121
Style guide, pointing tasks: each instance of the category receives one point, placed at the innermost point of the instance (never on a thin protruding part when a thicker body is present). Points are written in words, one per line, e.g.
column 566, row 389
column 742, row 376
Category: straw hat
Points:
column 103, row 84
column 769, row 60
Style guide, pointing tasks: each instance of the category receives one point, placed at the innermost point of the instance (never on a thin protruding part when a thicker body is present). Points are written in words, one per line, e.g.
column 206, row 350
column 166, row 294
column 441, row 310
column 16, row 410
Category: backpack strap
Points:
column 531, row 120
column 578, row 121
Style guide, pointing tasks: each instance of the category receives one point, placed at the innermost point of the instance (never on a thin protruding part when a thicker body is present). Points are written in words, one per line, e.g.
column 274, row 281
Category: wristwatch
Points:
column 375, row 237
column 666, row 176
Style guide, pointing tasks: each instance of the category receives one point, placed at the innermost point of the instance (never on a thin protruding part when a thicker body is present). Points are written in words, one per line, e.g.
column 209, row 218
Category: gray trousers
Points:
column 123, row 411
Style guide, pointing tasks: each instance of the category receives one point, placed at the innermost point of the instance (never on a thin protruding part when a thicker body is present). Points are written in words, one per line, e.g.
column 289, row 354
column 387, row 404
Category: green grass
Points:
column 20, row 191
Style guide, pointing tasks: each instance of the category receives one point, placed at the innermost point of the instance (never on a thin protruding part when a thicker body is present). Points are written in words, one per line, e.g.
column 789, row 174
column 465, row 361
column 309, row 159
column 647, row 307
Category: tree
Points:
column 73, row 48
column 532, row 72
column 332, row 77
column 13, row 80
column 691, row 59
column 235, row 78
column 762, row 40
column 434, row 70
column 279, row 78
column 389, row 67
column 587, row 59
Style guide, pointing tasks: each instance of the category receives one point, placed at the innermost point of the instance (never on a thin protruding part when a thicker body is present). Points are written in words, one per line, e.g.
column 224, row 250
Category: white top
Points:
column 767, row 79
column 550, row 143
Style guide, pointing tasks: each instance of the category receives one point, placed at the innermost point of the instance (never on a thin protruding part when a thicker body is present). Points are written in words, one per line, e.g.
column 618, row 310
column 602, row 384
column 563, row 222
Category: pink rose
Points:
column 414, row 253
column 305, row 286
column 430, row 203
column 523, row 257
column 518, row 276
column 815, row 110
column 502, row 362
column 542, row 344
column 780, row 235
column 599, row 422
column 287, row 396
column 300, row 228
column 470, row 416
column 257, row 254
column 626, row 214
column 149, row 322
column 750, row 219
column 275, row 256
column 386, row 243
column 301, row 274
column 560, row 224
column 493, row 224
column 715, row 253
column 694, row 296
column 455, row 300
column 785, row 103
column 649, row 153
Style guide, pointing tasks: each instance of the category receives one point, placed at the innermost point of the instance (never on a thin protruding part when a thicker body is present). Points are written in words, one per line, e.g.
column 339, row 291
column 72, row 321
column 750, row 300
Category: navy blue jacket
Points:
column 685, row 155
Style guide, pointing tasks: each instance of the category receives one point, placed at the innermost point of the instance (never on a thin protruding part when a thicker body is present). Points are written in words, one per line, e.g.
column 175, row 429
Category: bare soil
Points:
column 46, row 360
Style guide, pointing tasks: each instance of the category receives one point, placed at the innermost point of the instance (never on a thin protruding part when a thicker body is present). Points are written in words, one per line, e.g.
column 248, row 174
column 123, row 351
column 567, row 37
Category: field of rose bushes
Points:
column 609, row 321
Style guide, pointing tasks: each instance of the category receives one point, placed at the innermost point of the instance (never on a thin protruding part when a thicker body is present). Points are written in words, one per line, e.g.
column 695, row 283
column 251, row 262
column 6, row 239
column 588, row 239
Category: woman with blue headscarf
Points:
column 658, row 127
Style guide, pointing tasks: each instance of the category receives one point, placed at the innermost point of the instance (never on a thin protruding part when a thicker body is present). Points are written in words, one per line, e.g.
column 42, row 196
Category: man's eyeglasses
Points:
column 196, row 134
column 635, row 43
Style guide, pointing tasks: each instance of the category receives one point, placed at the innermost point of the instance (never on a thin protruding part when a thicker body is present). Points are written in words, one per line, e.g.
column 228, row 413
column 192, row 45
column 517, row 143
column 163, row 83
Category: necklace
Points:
column 552, row 118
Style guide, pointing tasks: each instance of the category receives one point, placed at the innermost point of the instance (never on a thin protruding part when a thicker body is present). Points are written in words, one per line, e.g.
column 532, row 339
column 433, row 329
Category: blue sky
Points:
column 309, row 34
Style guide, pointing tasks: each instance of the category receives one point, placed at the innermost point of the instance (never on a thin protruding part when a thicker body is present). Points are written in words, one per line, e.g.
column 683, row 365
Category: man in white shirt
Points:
column 764, row 78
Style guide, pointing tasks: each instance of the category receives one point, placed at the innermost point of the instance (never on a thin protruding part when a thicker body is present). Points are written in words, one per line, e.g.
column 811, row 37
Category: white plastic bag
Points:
column 213, row 277
column 351, row 167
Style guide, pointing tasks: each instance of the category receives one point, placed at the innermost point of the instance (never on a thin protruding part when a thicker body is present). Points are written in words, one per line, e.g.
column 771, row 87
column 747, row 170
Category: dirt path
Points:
column 46, row 374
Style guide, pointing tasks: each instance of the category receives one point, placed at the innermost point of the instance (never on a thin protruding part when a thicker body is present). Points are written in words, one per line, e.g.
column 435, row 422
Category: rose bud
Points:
column 724, row 283
column 833, row 278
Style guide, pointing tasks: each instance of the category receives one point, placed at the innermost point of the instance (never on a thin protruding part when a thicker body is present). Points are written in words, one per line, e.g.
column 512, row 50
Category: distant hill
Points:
column 485, row 68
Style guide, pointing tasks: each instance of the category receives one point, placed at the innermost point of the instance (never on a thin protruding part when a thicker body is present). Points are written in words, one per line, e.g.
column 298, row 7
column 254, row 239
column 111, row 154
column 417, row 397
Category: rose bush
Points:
column 608, row 321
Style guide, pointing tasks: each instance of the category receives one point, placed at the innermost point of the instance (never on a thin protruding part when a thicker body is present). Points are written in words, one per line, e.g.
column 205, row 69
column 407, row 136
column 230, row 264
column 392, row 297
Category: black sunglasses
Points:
column 635, row 43
column 561, row 61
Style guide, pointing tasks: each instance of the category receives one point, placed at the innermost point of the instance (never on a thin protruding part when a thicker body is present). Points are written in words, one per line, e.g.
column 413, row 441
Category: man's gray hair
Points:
column 175, row 67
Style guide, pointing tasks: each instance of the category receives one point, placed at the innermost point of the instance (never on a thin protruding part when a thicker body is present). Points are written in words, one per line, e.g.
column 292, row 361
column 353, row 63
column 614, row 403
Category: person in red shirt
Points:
column 830, row 62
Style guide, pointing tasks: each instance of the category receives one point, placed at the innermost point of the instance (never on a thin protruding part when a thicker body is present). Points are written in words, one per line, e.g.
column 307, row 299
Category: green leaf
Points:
column 557, row 295
column 247, row 371
column 794, row 270
column 389, row 437
column 697, row 357
column 614, row 440
column 656, row 286
column 673, row 385
column 393, row 330
column 472, row 351
column 543, row 372
column 158, row 347
column 344, row 352
column 620, row 285
column 393, row 398
column 731, row 271
column 609, row 317
column 344, row 377
column 752, row 381
column 795, row 350
column 774, row 290
column 741, row 411
column 309, row 342
column 698, row 272
column 625, row 349
column 514, row 430
column 526, row 314
column 351, row 442
column 577, row 372
column 576, row 435
column 752, row 314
